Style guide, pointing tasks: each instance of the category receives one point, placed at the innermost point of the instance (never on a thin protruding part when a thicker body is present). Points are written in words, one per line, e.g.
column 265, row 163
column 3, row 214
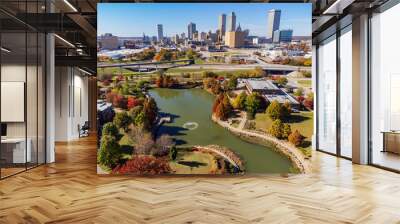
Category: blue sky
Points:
column 134, row 19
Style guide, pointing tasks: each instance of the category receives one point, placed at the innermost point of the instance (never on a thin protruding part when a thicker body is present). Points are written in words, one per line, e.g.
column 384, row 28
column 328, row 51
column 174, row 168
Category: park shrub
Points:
column 123, row 120
column 109, row 154
column 143, row 164
column 287, row 130
column 296, row 138
column 276, row 129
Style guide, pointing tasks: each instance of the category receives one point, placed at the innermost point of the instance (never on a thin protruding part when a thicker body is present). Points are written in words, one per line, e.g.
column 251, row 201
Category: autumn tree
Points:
column 299, row 92
column 296, row 138
column 282, row 81
column 142, row 165
column 240, row 101
column 253, row 103
column 276, row 129
column 123, row 120
column 286, row 131
column 162, row 145
column 274, row 110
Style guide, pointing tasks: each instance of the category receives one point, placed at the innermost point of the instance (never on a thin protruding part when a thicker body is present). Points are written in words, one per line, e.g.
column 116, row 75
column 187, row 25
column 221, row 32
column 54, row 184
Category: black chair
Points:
column 84, row 130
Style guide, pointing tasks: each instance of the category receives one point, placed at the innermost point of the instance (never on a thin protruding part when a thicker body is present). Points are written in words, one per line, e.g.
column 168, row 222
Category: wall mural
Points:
column 222, row 88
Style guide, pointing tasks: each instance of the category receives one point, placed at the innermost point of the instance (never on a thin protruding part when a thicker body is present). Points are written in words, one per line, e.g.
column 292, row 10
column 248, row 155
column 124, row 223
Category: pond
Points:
column 190, row 110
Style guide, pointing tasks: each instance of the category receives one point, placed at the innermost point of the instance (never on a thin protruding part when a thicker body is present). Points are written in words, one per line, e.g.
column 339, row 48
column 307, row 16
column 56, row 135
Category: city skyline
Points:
column 113, row 18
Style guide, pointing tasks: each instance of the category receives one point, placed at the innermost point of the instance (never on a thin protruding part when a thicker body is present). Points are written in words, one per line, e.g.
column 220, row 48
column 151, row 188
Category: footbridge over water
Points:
column 149, row 66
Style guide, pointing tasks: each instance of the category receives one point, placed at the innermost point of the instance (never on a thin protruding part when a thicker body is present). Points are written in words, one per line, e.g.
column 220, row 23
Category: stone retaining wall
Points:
column 298, row 159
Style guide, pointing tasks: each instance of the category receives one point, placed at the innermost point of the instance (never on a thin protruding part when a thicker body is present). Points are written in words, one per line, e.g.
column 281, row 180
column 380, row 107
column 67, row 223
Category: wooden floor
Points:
column 69, row 191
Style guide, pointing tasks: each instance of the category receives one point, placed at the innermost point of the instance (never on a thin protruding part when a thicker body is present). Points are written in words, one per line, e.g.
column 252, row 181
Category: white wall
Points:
column 71, row 102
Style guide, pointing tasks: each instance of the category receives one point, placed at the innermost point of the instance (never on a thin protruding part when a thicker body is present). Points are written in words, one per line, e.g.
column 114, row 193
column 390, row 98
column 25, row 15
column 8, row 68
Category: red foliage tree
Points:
column 132, row 102
column 309, row 103
column 110, row 96
column 300, row 99
column 143, row 165
column 120, row 101
column 159, row 82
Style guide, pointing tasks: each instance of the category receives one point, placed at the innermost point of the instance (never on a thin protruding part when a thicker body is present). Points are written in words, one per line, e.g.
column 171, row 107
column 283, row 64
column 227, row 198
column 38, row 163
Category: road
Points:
column 265, row 66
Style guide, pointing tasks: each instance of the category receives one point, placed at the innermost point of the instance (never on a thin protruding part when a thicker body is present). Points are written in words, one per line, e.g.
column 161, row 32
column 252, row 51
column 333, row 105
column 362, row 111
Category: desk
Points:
column 13, row 150
column 391, row 141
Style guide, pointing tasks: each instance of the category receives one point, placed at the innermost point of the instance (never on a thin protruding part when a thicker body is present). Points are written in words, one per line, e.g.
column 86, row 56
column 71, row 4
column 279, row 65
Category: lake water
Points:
column 192, row 125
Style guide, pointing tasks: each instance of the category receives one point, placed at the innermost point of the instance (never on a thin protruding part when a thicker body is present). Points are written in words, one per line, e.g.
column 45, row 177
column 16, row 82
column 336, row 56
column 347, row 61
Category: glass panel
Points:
column 346, row 92
column 31, row 99
column 327, row 95
column 41, row 99
column 13, row 86
column 385, row 84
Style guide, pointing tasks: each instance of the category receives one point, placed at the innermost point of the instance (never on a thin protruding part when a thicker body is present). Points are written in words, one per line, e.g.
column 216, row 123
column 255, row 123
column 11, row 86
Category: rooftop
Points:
column 283, row 98
column 261, row 84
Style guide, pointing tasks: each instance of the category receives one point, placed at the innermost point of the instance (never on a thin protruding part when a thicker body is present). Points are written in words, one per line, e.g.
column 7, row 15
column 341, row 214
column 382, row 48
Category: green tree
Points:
column 252, row 104
column 287, row 130
column 282, row 81
column 240, row 101
column 274, row 110
column 286, row 110
column 109, row 154
column 258, row 72
column 232, row 83
column 139, row 119
column 299, row 92
column 276, row 129
column 110, row 129
column 173, row 153
column 123, row 120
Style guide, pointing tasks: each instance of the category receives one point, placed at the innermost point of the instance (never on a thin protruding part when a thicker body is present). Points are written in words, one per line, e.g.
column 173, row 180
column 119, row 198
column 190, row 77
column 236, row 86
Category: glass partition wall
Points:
column 385, row 90
column 22, row 76
column 334, row 94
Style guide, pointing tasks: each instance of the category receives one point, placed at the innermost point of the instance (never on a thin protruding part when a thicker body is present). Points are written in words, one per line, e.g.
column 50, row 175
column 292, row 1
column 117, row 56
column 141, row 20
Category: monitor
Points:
column 3, row 129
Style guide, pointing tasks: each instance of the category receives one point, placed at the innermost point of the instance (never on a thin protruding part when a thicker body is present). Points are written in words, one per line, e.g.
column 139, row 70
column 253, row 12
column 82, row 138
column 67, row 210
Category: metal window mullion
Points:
column 338, row 93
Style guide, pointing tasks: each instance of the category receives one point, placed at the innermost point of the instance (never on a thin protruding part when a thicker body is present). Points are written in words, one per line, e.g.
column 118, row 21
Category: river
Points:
column 192, row 125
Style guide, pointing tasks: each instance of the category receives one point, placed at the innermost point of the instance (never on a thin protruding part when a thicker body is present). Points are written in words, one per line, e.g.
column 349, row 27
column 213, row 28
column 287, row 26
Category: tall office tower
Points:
column 191, row 30
column 160, row 32
column 222, row 24
column 274, row 19
column 231, row 24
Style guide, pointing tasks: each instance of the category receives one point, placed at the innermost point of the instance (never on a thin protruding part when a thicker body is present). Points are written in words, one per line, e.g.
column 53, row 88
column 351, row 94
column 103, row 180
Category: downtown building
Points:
column 222, row 25
column 274, row 19
column 160, row 32
column 191, row 30
column 282, row 36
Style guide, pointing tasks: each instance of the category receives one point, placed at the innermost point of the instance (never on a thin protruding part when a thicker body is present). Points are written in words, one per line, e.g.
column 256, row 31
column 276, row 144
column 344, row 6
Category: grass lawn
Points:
column 304, row 83
column 189, row 162
column 302, row 121
column 113, row 71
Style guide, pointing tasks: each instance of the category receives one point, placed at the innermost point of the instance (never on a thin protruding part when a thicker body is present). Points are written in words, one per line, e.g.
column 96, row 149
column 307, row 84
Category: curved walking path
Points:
column 215, row 150
column 286, row 148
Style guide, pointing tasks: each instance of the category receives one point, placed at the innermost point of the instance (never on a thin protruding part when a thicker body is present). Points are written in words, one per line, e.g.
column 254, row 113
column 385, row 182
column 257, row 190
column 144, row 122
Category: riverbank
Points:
column 298, row 159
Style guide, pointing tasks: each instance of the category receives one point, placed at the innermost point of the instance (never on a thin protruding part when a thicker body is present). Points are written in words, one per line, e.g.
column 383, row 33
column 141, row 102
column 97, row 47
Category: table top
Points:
column 391, row 132
column 13, row 140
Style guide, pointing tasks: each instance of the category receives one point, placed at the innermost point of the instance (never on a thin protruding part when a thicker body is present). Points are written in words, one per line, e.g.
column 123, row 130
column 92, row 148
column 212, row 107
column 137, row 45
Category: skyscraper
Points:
column 191, row 30
column 274, row 19
column 160, row 32
column 231, row 24
column 222, row 24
